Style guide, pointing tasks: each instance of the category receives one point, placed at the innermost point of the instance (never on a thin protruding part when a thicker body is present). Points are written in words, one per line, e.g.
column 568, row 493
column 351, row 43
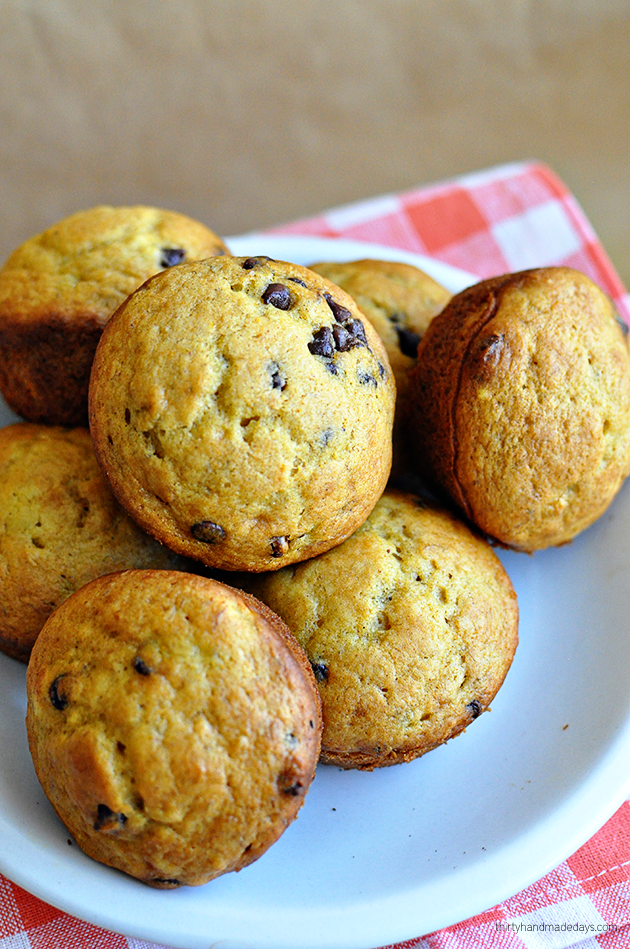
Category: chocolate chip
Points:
column 322, row 343
column 58, row 701
column 331, row 368
column 278, row 295
column 289, row 784
column 357, row 330
column 208, row 532
column 382, row 371
column 326, row 435
column 141, row 667
column 343, row 340
column 474, row 708
column 320, row 670
column 408, row 341
column 252, row 262
column 172, row 256
column 366, row 378
column 297, row 280
column 165, row 881
column 341, row 313
column 106, row 818
column 279, row 546
column 278, row 379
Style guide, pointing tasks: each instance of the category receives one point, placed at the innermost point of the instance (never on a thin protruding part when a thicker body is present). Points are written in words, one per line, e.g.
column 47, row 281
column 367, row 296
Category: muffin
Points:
column 519, row 405
column 174, row 724
column 242, row 410
column 61, row 526
column 59, row 288
column 410, row 626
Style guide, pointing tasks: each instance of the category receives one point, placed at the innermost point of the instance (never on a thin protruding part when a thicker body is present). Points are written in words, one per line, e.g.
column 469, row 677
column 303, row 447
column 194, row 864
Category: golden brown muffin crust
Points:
column 410, row 625
column 60, row 526
column 172, row 725
column 242, row 410
column 520, row 404
column 59, row 288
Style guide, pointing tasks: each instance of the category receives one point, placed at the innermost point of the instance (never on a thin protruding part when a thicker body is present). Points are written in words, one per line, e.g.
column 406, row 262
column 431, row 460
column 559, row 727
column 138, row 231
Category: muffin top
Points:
column 85, row 265
column 174, row 724
column 410, row 626
column 242, row 410
column 61, row 527
column 520, row 405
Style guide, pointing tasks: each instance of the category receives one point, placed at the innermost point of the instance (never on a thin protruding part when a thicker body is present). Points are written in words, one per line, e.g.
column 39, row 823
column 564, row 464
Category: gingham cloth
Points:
column 504, row 219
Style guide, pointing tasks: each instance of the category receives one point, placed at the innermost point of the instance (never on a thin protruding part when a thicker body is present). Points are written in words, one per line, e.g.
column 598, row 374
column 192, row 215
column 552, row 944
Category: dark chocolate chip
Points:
column 382, row 371
column 252, row 262
column 297, row 280
column 474, row 708
column 322, row 343
column 107, row 818
column 58, row 700
column 366, row 378
column 278, row 379
column 289, row 784
column 326, row 435
column 343, row 339
column 279, row 546
column 320, row 670
column 408, row 341
column 331, row 368
column 357, row 330
column 208, row 532
column 278, row 295
column 141, row 667
column 172, row 256
column 341, row 313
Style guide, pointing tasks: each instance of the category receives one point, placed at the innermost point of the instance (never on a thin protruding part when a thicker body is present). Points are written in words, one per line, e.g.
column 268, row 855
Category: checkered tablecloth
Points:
column 503, row 219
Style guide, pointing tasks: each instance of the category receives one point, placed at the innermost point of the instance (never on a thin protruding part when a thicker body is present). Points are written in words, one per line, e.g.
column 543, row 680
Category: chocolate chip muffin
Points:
column 520, row 405
column 60, row 287
column 60, row 527
column 242, row 409
column 174, row 724
column 410, row 626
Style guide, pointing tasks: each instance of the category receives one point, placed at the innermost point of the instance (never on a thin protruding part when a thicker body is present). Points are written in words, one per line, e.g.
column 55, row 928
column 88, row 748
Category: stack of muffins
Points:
column 226, row 578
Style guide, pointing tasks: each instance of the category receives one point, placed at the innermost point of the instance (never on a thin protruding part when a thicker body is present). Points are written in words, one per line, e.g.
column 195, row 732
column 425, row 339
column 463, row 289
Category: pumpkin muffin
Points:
column 61, row 527
column 174, row 724
column 242, row 410
column 410, row 626
column 59, row 288
column 519, row 405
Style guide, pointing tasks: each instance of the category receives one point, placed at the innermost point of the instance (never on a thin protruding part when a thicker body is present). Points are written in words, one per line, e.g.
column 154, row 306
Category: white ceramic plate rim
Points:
column 329, row 913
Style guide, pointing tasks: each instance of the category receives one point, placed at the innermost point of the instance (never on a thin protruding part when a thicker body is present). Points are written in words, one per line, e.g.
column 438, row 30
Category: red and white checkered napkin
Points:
column 496, row 221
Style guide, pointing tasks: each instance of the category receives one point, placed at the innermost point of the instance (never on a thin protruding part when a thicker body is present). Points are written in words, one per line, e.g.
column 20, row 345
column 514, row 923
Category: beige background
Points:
column 246, row 114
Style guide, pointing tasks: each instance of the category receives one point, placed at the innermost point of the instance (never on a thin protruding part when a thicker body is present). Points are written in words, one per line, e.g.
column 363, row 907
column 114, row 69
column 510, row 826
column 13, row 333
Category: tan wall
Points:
column 247, row 114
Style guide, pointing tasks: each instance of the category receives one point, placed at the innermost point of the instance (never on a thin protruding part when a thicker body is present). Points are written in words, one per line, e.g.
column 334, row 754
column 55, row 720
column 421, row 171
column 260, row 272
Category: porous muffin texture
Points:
column 59, row 288
column 60, row 527
column 519, row 405
column 410, row 626
column 242, row 409
column 174, row 724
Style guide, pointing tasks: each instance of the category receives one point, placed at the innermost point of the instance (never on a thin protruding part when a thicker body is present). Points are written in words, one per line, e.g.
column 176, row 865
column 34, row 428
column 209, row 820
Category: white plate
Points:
column 376, row 858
